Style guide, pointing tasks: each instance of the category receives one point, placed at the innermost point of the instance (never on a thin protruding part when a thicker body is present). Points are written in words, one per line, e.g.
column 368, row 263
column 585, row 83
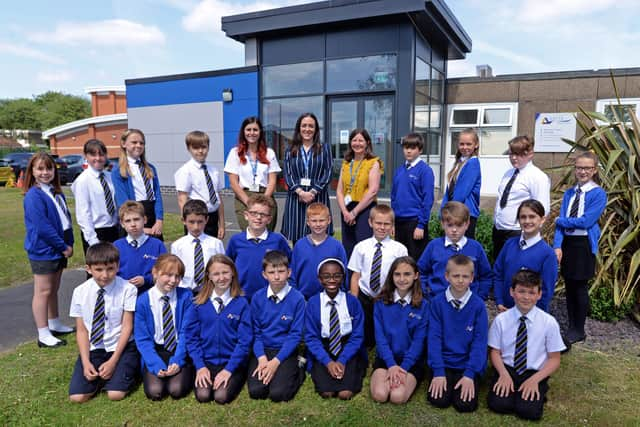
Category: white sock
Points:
column 44, row 335
column 58, row 326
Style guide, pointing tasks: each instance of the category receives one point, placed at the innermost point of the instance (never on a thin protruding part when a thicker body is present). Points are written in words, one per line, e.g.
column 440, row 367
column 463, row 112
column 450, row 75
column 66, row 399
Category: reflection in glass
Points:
column 344, row 118
column 465, row 117
column 494, row 141
column 362, row 74
column 437, row 86
column 292, row 79
column 496, row 116
column 378, row 120
column 622, row 111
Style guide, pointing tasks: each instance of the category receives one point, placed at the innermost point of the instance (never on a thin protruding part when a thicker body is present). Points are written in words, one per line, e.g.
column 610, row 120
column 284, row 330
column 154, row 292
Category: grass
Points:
column 12, row 231
column 591, row 388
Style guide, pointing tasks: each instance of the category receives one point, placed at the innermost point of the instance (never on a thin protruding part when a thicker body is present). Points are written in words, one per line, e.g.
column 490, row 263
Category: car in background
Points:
column 18, row 161
column 69, row 167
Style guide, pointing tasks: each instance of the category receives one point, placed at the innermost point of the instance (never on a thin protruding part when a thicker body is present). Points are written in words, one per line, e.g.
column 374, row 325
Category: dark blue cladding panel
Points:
column 192, row 90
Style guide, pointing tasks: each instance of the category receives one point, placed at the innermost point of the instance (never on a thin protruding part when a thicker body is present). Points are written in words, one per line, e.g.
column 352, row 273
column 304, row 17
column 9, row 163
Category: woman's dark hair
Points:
column 296, row 142
column 368, row 153
column 386, row 294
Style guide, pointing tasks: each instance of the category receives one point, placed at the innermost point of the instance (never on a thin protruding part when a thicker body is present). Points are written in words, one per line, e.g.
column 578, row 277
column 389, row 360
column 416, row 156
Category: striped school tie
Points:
column 212, row 191
column 507, row 189
column 520, row 358
column 108, row 196
column 198, row 264
column 573, row 212
column 220, row 304
column 97, row 324
column 376, row 266
column 335, row 345
column 456, row 303
column 63, row 206
column 147, row 181
column 274, row 298
column 168, row 327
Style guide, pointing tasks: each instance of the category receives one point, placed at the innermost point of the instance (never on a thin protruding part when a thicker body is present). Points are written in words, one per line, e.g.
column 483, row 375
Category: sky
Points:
column 70, row 45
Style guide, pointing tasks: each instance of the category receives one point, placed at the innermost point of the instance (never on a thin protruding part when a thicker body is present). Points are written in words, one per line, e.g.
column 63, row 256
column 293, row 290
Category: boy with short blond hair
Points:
column 245, row 248
column 525, row 346
column 370, row 262
column 197, row 180
column 457, row 340
column 433, row 262
column 138, row 251
column 315, row 247
column 103, row 307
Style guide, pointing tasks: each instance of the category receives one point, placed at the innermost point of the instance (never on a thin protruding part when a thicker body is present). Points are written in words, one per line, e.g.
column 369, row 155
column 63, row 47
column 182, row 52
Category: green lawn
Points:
column 591, row 388
column 16, row 269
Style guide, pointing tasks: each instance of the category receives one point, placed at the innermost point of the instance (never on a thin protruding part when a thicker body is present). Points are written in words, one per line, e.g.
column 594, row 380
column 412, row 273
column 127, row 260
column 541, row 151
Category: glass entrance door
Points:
column 374, row 113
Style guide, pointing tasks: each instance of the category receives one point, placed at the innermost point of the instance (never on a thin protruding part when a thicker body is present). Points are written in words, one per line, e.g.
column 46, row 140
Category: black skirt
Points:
column 354, row 373
column 578, row 262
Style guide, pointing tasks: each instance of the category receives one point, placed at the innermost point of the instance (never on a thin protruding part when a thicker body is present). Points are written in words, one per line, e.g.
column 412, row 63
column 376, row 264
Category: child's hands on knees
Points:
column 221, row 380
column 397, row 376
column 336, row 369
column 504, row 386
column 270, row 370
column 107, row 368
column 529, row 390
column 203, row 377
column 437, row 387
column 467, row 389
column 259, row 371
column 172, row 370
column 89, row 371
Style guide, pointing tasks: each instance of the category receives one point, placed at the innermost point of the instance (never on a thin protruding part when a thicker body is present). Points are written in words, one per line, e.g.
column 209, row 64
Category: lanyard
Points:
column 353, row 176
column 254, row 167
column 306, row 156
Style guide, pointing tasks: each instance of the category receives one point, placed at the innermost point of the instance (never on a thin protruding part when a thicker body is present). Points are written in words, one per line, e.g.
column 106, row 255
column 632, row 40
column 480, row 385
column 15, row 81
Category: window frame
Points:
column 602, row 103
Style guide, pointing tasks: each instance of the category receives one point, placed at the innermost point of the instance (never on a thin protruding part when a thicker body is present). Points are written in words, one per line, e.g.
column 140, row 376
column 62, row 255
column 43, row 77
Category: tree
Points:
column 20, row 113
column 58, row 108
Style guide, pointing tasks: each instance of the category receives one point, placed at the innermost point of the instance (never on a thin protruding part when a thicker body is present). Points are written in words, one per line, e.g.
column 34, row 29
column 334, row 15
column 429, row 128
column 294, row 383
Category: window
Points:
column 493, row 122
column 366, row 73
column 612, row 109
column 292, row 79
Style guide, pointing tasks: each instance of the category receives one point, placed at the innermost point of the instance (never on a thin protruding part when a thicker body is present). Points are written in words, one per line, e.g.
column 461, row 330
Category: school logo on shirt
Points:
column 233, row 316
column 469, row 328
column 148, row 256
column 285, row 317
column 413, row 315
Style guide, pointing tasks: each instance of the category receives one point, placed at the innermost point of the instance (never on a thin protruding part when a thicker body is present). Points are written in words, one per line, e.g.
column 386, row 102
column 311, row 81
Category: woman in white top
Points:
column 252, row 168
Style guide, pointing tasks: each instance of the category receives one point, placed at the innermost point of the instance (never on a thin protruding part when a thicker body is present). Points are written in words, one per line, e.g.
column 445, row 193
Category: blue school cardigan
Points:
column 467, row 188
column 595, row 201
column 44, row 237
column 124, row 190
column 144, row 331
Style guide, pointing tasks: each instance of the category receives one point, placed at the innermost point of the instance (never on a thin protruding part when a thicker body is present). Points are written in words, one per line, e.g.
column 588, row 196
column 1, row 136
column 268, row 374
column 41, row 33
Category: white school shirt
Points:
column 157, row 304
column 91, row 207
column 362, row 258
column 343, row 314
column 463, row 241
column 141, row 240
column 528, row 243
column 245, row 171
column 463, row 301
column 407, row 298
column 119, row 296
column 543, row 336
column 137, row 180
column 64, row 219
column 281, row 295
column 190, row 179
column 184, row 247
column 531, row 183
column 226, row 299
column 585, row 188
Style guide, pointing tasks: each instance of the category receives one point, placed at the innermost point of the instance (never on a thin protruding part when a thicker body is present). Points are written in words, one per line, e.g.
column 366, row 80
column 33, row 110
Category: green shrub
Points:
column 483, row 230
column 603, row 307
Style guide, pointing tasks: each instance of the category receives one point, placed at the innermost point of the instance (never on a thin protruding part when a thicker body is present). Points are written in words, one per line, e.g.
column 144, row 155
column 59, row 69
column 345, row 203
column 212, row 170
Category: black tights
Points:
column 176, row 386
column 577, row 292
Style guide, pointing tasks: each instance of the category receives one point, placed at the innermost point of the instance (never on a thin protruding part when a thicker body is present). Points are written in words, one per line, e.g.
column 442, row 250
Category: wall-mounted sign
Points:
column 550, row 128
column 344, row 136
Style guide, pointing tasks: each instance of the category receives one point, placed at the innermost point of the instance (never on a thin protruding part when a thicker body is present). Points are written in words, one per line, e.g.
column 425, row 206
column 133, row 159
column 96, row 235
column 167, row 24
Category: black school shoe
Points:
column 58, row 344
column 60, row 333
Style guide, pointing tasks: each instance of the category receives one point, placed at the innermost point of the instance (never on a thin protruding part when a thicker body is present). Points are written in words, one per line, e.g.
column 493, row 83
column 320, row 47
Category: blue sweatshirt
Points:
column 511, row 259
column 304, row 264
column 124, row 190
column 433, row 263
column 139, row 261
column 277, row 326
column 412, row 193
column 595, row 201
column 467, row 187
column 401, row 333
column 458, row 339
column 247, row 256
column 220, row 339
column 44, row 237
column 313, row 331
column 144, row 330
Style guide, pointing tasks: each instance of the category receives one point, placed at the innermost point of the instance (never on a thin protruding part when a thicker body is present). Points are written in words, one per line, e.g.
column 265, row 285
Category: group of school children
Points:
column 210, row 319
